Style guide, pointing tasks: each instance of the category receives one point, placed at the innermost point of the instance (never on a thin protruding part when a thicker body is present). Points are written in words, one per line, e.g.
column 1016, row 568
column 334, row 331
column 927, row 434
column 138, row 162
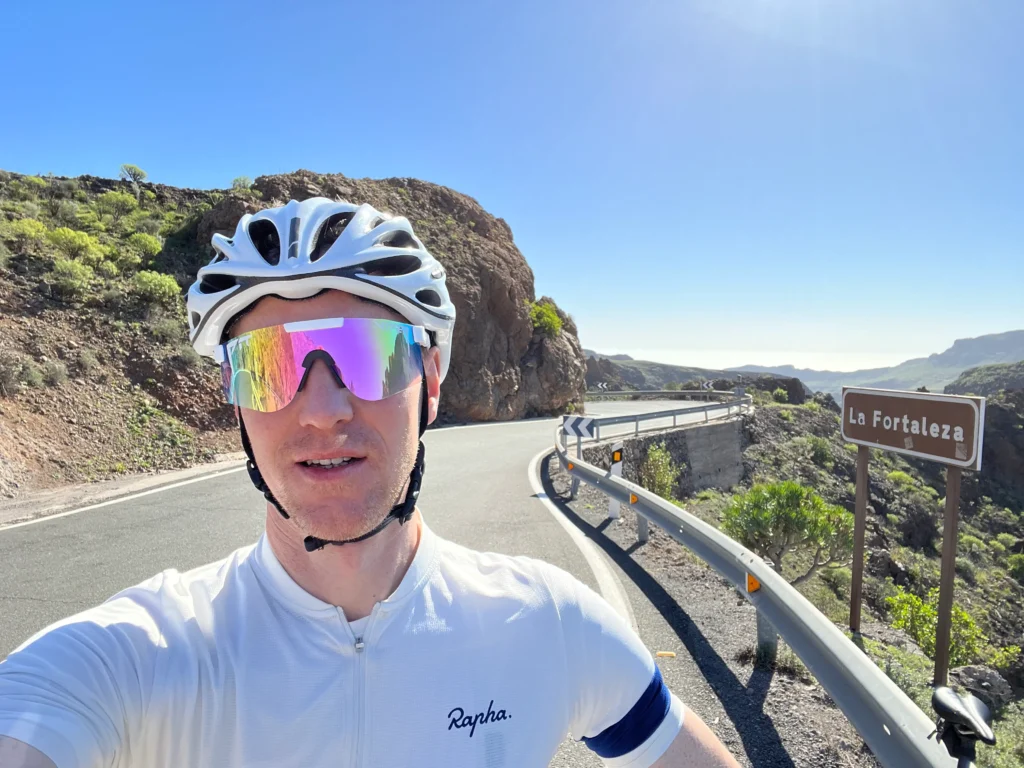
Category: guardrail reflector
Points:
column 632, row 498
column 571, row 465
column 617, row 456
column 752, row 584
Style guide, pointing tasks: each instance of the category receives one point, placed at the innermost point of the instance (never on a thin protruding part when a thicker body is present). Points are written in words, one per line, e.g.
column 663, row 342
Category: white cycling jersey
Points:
column 476, row 659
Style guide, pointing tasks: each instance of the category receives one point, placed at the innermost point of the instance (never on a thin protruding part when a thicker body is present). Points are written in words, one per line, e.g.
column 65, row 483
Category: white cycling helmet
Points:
column 299, row 249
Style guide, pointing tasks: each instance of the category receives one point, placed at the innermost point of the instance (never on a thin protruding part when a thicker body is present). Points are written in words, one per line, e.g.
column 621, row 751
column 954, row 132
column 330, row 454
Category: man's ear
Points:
column 432, row 371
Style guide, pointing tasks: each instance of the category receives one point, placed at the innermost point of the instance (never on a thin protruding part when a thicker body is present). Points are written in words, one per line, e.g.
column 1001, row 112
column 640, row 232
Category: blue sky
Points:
column 829, row 183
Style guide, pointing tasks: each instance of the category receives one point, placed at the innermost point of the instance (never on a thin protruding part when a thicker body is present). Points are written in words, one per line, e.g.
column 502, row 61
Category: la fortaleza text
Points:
column 909, row 426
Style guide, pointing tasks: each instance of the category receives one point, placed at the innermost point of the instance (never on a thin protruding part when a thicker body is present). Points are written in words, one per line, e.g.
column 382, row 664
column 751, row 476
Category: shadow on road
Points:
column 743, row 704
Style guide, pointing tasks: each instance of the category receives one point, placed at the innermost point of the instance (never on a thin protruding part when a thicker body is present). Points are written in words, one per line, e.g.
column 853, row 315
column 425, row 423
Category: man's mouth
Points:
column 329, row 462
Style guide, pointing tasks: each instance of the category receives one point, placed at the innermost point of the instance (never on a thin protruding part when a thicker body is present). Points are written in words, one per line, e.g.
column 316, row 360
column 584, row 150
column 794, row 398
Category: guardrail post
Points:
column 643, row 531
column 674, row 419
column 637, row 432
column 576, row 481
column 767, row 641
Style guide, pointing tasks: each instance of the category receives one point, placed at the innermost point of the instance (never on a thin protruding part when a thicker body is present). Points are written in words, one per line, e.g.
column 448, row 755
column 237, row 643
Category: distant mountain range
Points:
column 933, row 372
column 986, row 380
column 616, row 358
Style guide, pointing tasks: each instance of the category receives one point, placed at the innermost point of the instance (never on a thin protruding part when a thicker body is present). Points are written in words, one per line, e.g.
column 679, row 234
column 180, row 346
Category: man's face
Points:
column 325, row 420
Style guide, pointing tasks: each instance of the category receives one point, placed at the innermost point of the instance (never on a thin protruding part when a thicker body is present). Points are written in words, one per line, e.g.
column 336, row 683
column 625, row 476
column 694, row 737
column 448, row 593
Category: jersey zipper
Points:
column 360, row 699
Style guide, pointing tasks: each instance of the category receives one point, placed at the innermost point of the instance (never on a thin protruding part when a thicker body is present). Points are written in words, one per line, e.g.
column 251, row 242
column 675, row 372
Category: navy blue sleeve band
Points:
column 638, row 724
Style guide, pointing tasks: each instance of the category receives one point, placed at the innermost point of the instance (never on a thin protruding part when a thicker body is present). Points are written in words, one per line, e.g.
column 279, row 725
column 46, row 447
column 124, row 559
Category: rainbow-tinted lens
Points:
column 264, row 369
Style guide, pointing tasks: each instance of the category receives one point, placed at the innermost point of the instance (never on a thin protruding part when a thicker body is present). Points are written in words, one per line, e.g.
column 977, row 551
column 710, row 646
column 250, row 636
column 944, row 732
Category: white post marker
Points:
column 616, row 471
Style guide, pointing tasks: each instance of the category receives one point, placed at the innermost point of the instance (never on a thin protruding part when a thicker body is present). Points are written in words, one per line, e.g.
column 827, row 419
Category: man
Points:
column 349, row 634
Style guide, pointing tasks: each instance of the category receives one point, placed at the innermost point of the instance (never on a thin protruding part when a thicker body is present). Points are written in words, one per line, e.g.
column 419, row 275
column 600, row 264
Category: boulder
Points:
column 985, row 683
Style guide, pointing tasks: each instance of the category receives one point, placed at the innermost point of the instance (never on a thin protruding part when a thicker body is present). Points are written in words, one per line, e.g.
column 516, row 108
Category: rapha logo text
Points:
column 459, row 718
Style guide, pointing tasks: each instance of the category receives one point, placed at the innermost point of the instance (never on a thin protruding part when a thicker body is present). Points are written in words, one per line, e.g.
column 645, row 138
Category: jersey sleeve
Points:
column 67, row 689
column 623, row 711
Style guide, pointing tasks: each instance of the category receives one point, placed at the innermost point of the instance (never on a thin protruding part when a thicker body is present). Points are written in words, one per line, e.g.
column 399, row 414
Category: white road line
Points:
column 119, row 499
column 607, row 581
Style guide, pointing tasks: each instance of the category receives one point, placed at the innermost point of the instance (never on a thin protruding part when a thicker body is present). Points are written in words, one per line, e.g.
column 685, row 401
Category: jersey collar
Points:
column 273, row 575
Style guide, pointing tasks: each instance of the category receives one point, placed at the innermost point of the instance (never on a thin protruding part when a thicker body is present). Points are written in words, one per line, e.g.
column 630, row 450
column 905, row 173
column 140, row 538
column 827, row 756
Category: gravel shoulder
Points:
column 775, row 719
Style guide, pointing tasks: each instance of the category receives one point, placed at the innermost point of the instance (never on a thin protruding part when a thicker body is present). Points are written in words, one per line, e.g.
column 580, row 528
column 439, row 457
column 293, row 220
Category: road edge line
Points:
column 119, row 499
column 608, row 582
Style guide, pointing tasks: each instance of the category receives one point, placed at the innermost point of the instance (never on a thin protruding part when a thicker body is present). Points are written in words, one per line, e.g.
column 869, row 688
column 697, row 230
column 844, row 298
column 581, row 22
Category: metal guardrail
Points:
column 896, row 730
column 741, row 403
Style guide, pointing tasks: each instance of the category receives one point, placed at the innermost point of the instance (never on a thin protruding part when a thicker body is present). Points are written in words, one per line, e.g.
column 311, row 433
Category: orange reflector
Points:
column 632, row 498
column 617, row 456
column 665, row 655
column 571, row 465
column 752, row 584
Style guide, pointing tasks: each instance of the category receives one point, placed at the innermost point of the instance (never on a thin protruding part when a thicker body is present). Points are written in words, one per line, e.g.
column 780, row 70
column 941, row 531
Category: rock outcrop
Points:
column 501, row 368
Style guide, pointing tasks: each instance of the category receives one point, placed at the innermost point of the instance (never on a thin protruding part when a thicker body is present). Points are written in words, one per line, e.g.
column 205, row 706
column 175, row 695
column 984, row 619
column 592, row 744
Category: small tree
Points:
column 116, row 204
column 71, row 279
column 545, row 319
column 780, row 395
column 23, row 231
column 132, row 173
column 779, row 518
column 241, row 184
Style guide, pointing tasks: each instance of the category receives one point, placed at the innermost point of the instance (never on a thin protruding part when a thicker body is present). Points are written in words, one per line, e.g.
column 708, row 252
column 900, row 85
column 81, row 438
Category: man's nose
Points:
column 322, row 403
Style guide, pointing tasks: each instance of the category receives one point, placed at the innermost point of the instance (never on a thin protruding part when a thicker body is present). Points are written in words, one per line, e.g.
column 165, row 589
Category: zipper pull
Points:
column 359, row 645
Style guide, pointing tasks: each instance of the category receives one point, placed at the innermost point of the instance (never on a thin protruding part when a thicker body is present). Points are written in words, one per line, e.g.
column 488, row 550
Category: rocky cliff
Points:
column 96, row 376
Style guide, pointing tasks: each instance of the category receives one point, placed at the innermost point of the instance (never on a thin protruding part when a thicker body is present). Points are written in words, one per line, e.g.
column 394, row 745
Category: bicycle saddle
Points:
column 967, row 713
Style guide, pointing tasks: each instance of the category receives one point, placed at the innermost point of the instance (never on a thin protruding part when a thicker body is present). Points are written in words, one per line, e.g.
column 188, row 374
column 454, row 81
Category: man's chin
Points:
column 336, row 524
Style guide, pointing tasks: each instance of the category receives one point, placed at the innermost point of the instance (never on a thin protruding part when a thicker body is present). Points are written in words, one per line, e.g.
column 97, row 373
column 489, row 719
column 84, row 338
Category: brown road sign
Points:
column 944, row 428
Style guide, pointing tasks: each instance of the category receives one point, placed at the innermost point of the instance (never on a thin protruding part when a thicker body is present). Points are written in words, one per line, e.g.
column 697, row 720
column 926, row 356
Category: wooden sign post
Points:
column 945, row 428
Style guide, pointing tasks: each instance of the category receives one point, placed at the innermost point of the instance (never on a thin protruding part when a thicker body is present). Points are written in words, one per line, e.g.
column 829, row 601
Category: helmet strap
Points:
column 401, row 511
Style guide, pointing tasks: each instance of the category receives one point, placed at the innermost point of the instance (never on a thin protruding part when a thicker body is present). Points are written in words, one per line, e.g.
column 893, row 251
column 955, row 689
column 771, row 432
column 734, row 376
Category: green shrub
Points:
column 149, row 195
column 11, row 365
column 901, row 479
column 66, row 214
column 658, row 471
column 71, row 279
column 785, row 414
column 117, row 205
column 55, row 373
column 126, row 259
column 87, row 361
column 821, row 452
column 149, row 226
column 779, row 518
column 32, row 374
column 997, row 549
column 851, row 448
column 545, row 319
column 166, row 329
column 156, row 288
column 812, row 406
column 1015, row 566
column 186, row 357
column 107, row 269
column 23, row 231
column 241, row 183
column 1008, row 540
column 973, row 547
column 1001, row 658
column 920, row 619
column 5, row 255
column 965, row 570
column 77, row 245
column 780, row 395
column 145, row 245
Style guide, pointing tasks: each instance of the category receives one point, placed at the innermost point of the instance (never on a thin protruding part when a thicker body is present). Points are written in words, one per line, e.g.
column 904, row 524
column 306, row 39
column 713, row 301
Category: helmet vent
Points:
column 429, row 297
column 264, row 236
column 398, row 239
column 220, row 256
column 377, row 222
column 392, row 266
column 216, row 283
column 194, row 316
column 330, row 231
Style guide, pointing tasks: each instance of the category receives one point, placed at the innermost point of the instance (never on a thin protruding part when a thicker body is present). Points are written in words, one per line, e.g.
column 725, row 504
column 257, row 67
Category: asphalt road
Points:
column 477, row 492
